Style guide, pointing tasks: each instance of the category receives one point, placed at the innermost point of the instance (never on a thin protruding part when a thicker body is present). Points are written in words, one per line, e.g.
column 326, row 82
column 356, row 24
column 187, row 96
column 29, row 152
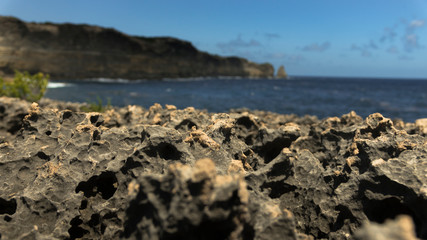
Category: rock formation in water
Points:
column 81, row 51
column 281, row 72
column 164, row 173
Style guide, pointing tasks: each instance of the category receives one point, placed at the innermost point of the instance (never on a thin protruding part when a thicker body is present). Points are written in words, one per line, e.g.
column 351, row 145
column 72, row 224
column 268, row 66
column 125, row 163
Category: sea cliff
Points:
column 73, row 51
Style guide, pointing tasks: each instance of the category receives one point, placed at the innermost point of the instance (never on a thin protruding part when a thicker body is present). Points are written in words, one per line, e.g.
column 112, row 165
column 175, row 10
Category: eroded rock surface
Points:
column 167, row 173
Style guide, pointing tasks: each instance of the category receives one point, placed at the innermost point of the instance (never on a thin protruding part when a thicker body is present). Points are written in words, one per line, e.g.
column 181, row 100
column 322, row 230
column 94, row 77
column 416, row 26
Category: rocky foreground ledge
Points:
column 164, row 173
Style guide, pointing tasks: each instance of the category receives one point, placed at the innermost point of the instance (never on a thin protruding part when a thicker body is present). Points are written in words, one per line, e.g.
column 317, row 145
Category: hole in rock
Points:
column 75, row 231
column 381, row 210
column 129, row 164
column 281, row 168
column 33, row 117
column 151, row 152
column 109, row 218
column 66, row 115
column 392, row 152
column 15, row 125
column 48, row 133
column 335, row 181
column 105, row 184
column 277, row 189
column 144, row 135
column 8, row 207
column 94, row 119
column 7, row 218
column 96, row 135
column 2, row 109
column 196, row 188
column 166, row 151
column 95, row 219
column 271, row 150
column 376, row 132
column 43, row 156
column 246, row 122
column 185, row 125
column 343, row 216
column 83, row 205
column 103, row 227
column 249, row 140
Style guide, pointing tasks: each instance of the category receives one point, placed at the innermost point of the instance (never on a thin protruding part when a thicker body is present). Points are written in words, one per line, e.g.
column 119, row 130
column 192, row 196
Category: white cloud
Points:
column 315, row 47
column 365, row 49
column 406, row 31
column 393, row 50
column 372, row 45
column 411, row 42
column 405, row 58
column 416, row 23
column 285, row 58
column 296, row 58
column 275, row 56
column 411, row 39
column 233, row 44
column 388, row 34
column 270, row 36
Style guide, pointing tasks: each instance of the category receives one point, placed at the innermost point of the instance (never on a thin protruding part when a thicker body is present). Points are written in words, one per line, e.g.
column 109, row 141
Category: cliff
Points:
column 83, row 51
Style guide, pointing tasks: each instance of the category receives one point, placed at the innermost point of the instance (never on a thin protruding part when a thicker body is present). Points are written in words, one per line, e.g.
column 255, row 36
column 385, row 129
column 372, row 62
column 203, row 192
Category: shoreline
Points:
column 187, row 173
column 320, row 98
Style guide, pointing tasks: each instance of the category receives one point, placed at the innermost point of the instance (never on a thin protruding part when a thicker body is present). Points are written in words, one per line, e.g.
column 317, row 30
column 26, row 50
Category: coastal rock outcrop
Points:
column 70, row 51
column 281, row 73
column 167, row 173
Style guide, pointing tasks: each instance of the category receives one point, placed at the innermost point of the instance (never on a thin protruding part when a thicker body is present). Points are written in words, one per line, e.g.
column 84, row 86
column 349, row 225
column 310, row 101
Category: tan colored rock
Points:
column 422, row 125
column 401, row 228
column 281, row 73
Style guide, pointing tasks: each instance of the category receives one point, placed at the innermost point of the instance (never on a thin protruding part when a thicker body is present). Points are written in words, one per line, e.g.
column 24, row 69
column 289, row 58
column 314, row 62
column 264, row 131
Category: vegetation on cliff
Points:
column 25, row 86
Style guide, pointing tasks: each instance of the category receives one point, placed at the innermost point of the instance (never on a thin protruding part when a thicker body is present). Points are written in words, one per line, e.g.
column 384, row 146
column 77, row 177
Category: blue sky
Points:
column 358, row 38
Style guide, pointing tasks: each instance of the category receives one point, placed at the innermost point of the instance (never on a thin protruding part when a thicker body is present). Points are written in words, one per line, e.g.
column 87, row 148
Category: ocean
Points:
column 405, row 99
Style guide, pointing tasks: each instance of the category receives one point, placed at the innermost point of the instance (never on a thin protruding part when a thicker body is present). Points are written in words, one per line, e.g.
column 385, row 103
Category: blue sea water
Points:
column 324, row 97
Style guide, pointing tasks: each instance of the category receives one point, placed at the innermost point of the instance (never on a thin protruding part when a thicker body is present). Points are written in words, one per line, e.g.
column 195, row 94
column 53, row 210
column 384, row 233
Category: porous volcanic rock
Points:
column 70, row 51
column 402, row 228
column 168, row 173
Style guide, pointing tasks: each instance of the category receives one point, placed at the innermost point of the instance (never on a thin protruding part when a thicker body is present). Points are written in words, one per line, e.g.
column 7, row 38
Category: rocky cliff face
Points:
column 83, row 51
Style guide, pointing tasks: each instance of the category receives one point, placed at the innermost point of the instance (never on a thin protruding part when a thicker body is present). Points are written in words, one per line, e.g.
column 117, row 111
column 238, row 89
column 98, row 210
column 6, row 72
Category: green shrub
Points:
column 25, row 86
column 96, row 106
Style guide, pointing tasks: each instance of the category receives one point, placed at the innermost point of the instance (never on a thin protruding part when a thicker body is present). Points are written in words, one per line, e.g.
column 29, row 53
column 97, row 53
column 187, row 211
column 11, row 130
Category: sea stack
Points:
column 281, row 73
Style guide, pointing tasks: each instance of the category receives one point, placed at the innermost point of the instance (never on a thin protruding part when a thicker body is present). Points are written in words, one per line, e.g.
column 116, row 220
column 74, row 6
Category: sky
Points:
column 351, row 38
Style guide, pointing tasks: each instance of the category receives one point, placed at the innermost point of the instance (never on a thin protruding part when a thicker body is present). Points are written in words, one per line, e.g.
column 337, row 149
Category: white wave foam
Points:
column 58, row 85
column 114, row 80
column 194, row 79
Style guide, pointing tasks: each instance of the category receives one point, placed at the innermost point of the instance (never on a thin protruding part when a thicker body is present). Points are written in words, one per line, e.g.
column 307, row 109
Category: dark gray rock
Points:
column 164, row 173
